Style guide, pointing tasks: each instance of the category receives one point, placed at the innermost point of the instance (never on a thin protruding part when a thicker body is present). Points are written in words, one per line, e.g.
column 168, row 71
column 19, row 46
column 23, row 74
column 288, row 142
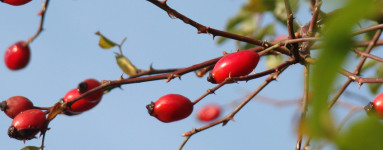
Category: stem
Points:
column 357, row 69
column 40, row 29
column 204, row 29
column 230, row 116
column 304, row 105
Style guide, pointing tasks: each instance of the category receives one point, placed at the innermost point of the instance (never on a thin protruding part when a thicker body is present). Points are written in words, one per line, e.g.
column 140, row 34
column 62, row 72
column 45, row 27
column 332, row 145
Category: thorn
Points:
column 224, row 53
column 213, row 36
column 210, row 91
column 207, row 30
column 121, row 77
column 163, row 2
column 360, row 84
column 151, row 67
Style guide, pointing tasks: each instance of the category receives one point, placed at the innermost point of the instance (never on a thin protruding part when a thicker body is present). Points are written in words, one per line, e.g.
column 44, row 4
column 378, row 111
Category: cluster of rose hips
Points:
column 28, row 120
column 174, row 107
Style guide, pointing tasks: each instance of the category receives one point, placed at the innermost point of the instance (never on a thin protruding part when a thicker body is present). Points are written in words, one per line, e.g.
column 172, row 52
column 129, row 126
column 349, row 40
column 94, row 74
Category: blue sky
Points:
column 67, row 52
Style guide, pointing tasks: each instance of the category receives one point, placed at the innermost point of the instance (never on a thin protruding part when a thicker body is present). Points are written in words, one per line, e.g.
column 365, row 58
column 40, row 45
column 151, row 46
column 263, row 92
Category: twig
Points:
column 357, row 69
column 368, row 29
column 290, row 28
column 230, row 116
column 40, row 29
column 360, row 80
column 304, row 104
column 245, row 78
column 204, row 29
column 364, row 54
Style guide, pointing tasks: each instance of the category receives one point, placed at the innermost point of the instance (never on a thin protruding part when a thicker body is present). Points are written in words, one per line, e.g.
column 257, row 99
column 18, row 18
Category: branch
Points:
column 304, row 105
column 368, row 29
column 245, row 78
column 364, row 54
column 204, row 29
column 290, row 28
column 361, row 80
column 40, row 29
column 357, row 69
column 230, row 116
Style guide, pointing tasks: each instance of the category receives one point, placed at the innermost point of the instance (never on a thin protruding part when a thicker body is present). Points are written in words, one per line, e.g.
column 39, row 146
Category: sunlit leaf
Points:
column 30, row 148
column 273, row 60
column 280, row 9
column 260, row 6
column 337, row 44
column 104, row 42
column 125, row 65
column 368, row 64
column 362, row 134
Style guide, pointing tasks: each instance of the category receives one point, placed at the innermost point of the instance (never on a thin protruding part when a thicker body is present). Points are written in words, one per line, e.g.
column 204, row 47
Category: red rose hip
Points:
column 209, row 112
column 16, row 2
column 79, row 106
column 27, row 124
column 377, row 104
column 171, row 107
column 87, row 85
column 17, row 56
column 234, row 65
column 15, row 105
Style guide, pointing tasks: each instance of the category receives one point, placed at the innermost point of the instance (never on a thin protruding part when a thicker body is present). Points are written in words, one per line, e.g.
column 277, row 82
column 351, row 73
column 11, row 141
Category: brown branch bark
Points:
column 205, row 29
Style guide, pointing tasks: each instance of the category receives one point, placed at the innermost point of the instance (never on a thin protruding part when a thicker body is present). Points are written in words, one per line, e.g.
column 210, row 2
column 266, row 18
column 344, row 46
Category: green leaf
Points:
column 30, row 148
column 374, row 87
column 260, row 6
column 104, row 42
column 125, row 65
column 280, row 9
column 337, row 43
column 273, row 61
column 368, row 64
column 366, row 134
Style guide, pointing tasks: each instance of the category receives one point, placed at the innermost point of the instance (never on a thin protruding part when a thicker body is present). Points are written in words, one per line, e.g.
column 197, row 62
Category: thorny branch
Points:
column 230, row 116
column 263, row 48
column 204, row 29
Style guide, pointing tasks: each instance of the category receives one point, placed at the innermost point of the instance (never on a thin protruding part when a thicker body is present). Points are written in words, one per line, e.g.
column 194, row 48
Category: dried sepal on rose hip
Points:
column 376, row 106
column 170, row 108
column 27, row 124
column 88, row 85
column 234, row 65
column 17, row 56
column 15, row 105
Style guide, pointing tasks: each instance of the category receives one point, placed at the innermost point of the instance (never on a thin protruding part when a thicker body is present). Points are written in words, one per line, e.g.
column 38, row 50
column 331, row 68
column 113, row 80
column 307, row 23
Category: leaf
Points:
column 125, row 65
column 104, row 42
column 273, row 60
column 30, row 148
column 368, row 64
column 280, row 10
column 337, row 44
column 374, row 87
column 362, row 134
column 260, row 6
